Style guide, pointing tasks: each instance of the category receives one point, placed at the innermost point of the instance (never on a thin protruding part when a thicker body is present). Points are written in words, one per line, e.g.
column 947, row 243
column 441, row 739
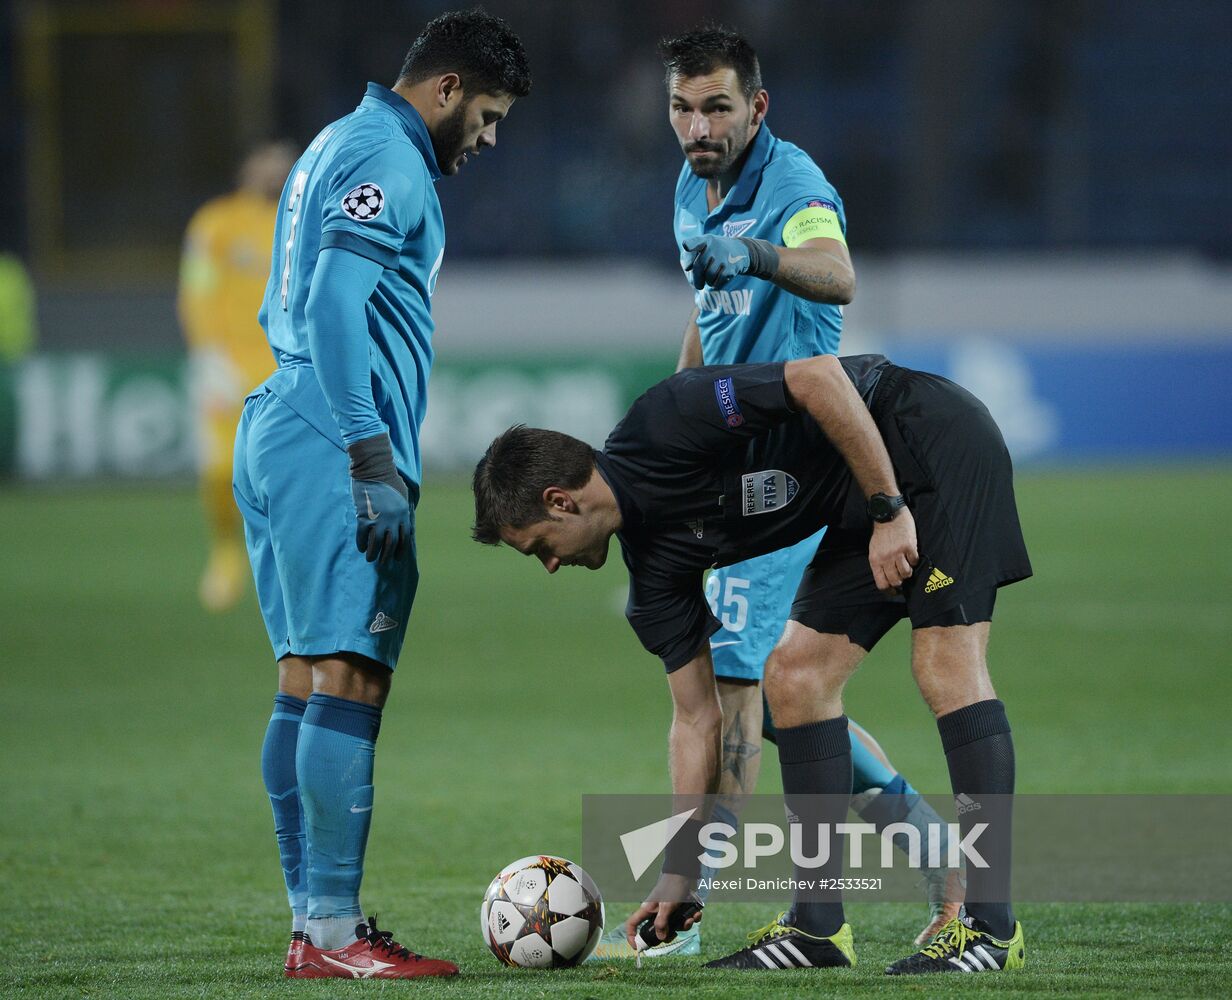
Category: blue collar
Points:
column 411, row 121
column 743, row 190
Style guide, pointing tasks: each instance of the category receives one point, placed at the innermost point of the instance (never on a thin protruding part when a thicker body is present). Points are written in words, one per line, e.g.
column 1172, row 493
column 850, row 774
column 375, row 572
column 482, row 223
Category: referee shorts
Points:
column 955, row 473
column 318, row 594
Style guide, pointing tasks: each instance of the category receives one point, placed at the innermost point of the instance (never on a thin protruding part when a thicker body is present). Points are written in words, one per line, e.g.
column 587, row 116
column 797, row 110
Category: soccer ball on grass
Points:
column 542, row 912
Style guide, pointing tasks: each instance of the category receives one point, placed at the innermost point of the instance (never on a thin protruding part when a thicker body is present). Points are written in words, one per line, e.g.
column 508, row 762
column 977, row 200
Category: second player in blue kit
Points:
column 762, row 237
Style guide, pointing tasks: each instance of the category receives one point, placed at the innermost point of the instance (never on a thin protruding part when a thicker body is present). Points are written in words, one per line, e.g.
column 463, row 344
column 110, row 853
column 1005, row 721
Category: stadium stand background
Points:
column 1036, row 192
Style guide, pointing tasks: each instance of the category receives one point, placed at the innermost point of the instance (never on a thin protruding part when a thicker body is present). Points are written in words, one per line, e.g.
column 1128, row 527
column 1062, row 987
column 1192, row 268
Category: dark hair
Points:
column 480, row 47
column 710, row 47
column 515, row 470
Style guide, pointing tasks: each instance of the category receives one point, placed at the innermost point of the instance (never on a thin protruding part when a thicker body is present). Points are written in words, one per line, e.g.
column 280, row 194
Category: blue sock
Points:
column 867, row 770
column 900, row 803
column 278, row 772
column 882, row 797
column 334, row 760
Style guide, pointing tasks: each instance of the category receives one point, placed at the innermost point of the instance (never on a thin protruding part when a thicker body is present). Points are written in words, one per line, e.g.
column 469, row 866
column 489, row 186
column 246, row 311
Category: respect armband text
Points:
column 817, row 220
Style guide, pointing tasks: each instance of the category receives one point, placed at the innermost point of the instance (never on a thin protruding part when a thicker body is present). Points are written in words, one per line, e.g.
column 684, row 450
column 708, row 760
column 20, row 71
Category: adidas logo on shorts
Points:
column 381, row 623
column 937, row 580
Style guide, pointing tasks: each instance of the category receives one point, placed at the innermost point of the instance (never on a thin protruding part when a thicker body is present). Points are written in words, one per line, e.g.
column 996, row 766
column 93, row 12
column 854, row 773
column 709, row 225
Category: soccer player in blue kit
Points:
column 763, row 241
column 327, row 463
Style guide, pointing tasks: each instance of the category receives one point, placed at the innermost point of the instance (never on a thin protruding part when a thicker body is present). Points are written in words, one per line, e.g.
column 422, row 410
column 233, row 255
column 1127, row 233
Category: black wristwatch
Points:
column 882, row 508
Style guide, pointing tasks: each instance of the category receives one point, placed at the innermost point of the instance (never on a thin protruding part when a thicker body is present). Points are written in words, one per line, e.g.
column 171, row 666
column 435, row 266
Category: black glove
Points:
column 382, row 502
column 715, row 260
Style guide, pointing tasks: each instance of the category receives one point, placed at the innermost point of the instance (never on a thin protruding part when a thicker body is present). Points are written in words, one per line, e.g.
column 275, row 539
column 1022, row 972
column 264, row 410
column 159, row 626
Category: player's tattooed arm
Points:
column 818, row 270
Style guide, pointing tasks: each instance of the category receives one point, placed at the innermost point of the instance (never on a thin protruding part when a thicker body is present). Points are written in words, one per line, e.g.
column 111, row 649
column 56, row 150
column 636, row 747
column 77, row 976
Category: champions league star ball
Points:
column 364, row 202
column 542, row 912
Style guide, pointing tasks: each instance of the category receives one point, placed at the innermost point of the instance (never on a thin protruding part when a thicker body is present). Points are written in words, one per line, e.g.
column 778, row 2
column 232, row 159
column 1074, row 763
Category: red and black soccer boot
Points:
column 295, row 964
column 374, row 954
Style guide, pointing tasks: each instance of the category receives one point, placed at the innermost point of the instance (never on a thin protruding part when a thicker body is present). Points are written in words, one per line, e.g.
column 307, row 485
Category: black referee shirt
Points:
column 711, row 467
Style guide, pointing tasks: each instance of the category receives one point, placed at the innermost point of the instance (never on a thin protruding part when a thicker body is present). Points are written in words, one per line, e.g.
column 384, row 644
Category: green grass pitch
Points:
column 136, row 848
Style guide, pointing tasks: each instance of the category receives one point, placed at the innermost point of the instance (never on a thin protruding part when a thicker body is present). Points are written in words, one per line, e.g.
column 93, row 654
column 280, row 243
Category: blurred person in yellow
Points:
column 223, row 272
column 17, row 324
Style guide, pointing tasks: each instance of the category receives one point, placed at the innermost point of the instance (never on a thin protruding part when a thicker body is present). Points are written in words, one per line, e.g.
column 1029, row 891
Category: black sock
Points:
column 816, row 763
column 979, row 752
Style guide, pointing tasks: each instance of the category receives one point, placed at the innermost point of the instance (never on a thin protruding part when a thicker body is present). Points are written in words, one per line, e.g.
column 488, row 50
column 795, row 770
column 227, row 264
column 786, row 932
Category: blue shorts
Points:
column 318, row 594
column 752, row 600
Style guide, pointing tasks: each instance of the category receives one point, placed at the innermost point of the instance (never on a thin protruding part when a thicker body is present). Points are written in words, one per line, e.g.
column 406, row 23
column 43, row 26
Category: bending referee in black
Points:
column 719, row 464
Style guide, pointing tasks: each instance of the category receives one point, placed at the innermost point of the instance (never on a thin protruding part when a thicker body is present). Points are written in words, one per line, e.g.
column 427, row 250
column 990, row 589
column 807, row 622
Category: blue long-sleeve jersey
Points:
column 365, row 186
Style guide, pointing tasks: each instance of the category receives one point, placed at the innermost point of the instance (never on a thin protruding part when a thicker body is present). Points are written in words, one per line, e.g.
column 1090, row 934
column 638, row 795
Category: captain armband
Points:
column 817, row 220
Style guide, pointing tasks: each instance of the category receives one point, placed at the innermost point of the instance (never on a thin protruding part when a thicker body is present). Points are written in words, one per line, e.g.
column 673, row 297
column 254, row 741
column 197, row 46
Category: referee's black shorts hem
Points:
column 866, row 624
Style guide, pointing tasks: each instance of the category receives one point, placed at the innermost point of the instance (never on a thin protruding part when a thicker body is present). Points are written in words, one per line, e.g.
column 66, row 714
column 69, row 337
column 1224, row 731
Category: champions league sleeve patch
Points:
column 364, row 203
column 725, row 394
